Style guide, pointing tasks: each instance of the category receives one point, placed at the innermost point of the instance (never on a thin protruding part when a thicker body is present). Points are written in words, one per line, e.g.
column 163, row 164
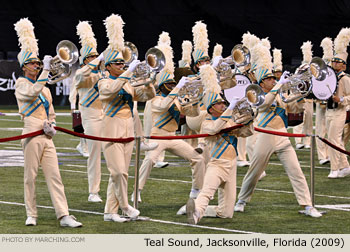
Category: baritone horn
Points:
column 145, row 72
column 192, row 92
column 254, row 97
column 300, row 83
column 61, row 65
column 240, row 56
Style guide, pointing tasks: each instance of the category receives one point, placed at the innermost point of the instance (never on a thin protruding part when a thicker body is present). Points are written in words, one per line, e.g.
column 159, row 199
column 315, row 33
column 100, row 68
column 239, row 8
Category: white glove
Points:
column 284, row 78
column 133, row 65
column 49, row 130
column 182, row 82
column 216, row 61
column 233, row 102
column 101, row 57
column 46, row 62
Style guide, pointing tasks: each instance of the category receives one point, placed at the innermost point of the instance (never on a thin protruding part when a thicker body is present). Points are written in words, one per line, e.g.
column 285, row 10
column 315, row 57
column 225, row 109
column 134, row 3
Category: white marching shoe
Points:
column 70, row 221
column 239, row 207
column 31, row 221
column 82, row 148
column 160, row 164
column 138, row 196
column 148, row 146
column 133, row 213
column 324, row 161
column 299, row 146
column 333, row 174
column 94, row 197
column 242, row 163
column 182, row 210
column 311, row 211
column 114, row 218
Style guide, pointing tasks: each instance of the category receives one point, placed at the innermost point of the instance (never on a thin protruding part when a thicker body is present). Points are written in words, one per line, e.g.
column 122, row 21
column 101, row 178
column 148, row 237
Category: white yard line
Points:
column 153, row 220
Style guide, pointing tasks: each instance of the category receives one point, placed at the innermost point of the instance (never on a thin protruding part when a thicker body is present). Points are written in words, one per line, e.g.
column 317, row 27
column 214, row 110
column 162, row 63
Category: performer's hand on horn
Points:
column 183, row 81
column 133, row 65
column 46, row 62
column 284, row 78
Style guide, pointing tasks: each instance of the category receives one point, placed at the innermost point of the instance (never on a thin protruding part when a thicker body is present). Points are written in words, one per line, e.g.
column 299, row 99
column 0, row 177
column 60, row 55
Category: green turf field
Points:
column 273, row 208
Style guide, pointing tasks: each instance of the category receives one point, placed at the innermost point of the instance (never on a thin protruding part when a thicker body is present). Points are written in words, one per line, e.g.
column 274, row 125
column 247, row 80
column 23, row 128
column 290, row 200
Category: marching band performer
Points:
column 117, row 96
column 336, row 107
column 221, row 169
column 166, row 111
column 272, row 116
column 200, row 58
column 35, row 106
column 320, row 122
column 85, row 82
column 306, row 127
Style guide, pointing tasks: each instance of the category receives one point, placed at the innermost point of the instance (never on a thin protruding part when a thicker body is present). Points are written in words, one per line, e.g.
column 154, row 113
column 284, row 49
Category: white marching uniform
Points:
column 85, row 82
column 165, row 112
column 117, row 96
column 272, row 116
column 221, row 169
column 335, row 120
column 35, row 106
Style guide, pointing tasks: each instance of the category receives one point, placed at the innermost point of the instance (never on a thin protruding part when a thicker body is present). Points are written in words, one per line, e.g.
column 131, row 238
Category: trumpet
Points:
column 240, row 56
column 192, row 92
column 61, row 64
column 145, row 72
column 300, row 83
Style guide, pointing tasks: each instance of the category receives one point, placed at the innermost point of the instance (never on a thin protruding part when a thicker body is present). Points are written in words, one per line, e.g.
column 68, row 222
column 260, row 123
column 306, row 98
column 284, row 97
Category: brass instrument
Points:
column 240, row 56
column 61, row 64
column 145, row 72
column 192, row 92
column 300, row 83
column 254, row 97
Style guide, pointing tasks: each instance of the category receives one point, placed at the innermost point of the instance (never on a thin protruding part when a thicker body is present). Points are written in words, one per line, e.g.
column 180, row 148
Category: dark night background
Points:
column 287, row 23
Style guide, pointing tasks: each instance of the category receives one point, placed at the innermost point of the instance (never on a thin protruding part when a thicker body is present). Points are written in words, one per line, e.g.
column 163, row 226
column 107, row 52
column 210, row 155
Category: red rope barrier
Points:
column 279, row 133
column 105, row 139
column 14, row 138
column 334, row 146
column 195, row 136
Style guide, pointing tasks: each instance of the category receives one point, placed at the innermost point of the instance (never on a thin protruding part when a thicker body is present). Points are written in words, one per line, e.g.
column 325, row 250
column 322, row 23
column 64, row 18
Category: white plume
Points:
column 86, row 35
column 306, row 49
column 114, row 26
column 327, row 46
column 217, row 50
column 342, row 40
column 186, row 51
column 26, row 36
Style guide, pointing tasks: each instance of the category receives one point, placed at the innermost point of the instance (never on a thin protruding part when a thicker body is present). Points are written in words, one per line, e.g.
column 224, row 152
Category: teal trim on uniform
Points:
column 218, row 145
column 30, row 106
column 32, row 81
